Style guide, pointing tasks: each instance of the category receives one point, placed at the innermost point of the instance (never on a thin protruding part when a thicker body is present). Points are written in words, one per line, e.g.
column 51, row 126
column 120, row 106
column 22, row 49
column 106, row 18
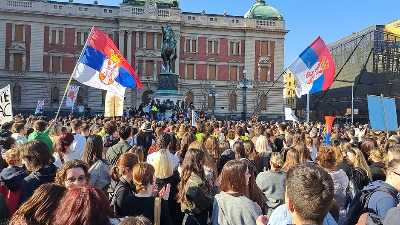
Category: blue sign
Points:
column 382, row 113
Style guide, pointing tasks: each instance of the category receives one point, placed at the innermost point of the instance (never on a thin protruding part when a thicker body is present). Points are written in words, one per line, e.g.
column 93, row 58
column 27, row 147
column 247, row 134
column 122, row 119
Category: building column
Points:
column 155, row 70
column 129, row 48
column 121, row 41
column 137, row 40
column 144, row 44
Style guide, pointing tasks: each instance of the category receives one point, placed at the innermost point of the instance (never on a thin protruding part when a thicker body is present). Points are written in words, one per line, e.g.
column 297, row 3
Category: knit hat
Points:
column 12, row 157
column 146, row 127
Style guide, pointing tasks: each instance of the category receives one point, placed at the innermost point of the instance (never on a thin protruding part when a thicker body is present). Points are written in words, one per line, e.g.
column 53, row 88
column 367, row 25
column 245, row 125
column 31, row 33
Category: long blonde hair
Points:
column 163, row 167
column 360, row 161
column 262, row 144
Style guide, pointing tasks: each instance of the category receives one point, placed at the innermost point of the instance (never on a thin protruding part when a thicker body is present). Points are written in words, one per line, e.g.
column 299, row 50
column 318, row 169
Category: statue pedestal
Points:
column 167, row 92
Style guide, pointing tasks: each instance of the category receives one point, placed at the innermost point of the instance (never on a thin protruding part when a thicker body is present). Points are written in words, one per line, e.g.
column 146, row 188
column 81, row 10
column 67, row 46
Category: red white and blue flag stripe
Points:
column 102, row 66
column 314, row 69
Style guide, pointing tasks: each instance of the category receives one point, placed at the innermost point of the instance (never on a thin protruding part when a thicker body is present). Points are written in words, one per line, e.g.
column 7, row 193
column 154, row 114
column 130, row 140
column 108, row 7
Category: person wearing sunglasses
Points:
column 73, row 173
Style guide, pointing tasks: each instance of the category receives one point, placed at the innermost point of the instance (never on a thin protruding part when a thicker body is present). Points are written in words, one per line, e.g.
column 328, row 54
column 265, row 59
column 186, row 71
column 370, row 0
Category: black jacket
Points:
column 12, row 176
column 377, row 172
column 34, row 180
column 122, row 189
column 174, row 206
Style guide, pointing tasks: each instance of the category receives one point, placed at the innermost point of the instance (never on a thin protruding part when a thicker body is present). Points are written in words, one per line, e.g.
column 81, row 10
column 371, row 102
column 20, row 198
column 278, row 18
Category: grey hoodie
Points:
column 380, row 201
column 234, row 210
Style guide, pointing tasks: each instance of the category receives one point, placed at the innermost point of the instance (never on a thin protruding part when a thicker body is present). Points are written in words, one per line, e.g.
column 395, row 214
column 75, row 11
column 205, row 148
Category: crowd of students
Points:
column 140, row 171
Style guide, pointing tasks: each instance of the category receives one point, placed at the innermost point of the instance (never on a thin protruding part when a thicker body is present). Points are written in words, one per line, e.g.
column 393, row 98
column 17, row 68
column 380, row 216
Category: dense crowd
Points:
column 141, row 171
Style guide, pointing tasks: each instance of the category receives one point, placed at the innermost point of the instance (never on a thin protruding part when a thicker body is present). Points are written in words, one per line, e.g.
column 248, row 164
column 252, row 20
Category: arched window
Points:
column 16, row 94
column 189, row 97
column 55, row 95
column 145, row 97
column 263, row 102
column 232, row 101
column 80, row 96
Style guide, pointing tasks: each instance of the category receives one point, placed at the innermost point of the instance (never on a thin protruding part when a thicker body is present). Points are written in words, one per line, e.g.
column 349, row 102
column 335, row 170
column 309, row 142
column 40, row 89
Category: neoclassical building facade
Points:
column 40, row 42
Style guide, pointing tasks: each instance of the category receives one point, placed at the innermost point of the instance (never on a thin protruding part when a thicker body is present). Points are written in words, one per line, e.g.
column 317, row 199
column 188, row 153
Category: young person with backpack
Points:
column 377, row 198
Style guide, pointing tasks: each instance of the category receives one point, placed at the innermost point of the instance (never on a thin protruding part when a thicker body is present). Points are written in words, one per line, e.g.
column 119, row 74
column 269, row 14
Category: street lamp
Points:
column 213, row 94
column 244, row 83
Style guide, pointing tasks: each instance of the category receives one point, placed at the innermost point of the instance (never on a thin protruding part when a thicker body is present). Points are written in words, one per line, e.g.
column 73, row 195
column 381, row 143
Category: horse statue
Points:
column 168, row 48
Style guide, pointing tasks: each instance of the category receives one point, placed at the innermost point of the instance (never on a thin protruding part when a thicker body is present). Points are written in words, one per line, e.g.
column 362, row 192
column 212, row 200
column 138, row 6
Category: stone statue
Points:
column 168, row 48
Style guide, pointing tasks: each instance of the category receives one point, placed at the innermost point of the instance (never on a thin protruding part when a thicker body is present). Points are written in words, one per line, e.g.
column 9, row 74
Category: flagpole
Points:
column 70, row 79
column 308, row 109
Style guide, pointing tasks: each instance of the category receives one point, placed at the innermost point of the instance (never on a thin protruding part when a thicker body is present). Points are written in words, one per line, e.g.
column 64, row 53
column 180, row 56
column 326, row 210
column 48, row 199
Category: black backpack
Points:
column 359, row 205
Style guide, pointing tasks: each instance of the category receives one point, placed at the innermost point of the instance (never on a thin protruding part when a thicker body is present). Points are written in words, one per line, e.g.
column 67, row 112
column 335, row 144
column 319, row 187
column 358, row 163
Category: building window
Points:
column 140, row 68
column 233, row 73
column 150, row 41
column 19, row 33
column 55, row 64
column 212, row 47
column 189, row 97
column 149, row 68
column 55, row 95
column 232, row 102
column 81, row 38
column 111, row 36
column 110, row 11
column 190, row 71
column 234, row 48
column 191, row 45
column 263, row 102
column 17, row 63
column 56, row 37
column 16, row 94
column 212, row 72
column 159, row 41
column 264, row 48
column 80, row 96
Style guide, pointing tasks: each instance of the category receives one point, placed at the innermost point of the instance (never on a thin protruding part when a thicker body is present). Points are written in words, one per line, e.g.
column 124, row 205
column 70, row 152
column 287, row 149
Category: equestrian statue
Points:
column 168, row 48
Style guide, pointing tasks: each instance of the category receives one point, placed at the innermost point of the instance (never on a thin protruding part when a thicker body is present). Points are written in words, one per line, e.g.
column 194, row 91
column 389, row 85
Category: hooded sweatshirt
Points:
column 34, row 180
column 380, row 201
column 42, row 136
column 11, row 178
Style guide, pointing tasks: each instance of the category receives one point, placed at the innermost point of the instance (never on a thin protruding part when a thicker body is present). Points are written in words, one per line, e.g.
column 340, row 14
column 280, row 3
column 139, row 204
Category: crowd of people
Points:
column 139, row 171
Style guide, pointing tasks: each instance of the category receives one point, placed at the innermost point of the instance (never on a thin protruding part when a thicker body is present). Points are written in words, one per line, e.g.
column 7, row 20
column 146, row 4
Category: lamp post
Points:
column 213, row 94
column 244, row 83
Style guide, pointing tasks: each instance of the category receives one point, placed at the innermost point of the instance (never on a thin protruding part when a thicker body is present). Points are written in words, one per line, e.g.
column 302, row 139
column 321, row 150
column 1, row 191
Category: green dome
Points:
column 262, row 11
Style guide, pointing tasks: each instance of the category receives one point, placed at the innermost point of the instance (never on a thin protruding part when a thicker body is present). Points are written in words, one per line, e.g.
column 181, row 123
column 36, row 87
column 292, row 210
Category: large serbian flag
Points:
column 102, row 66
column 314, row 69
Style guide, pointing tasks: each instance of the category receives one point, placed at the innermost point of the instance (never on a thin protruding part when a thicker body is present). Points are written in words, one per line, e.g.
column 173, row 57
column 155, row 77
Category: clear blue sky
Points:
column 306, row 19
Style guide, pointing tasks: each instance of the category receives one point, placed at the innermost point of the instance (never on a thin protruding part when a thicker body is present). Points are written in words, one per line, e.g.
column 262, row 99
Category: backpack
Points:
column 359, row 205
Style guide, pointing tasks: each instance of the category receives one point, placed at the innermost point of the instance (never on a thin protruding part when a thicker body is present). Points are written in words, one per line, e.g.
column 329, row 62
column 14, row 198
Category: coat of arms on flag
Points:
column 72, row 95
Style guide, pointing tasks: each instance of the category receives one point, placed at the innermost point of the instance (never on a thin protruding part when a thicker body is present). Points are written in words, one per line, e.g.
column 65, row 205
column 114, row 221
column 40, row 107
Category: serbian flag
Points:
column 102, row 66
column 314, row 69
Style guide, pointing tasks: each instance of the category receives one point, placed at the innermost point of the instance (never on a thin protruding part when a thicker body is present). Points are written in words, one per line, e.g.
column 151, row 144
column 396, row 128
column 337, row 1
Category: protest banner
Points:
column 72, row 95
column 114, row 105
column 6, row 114
column 39, row 107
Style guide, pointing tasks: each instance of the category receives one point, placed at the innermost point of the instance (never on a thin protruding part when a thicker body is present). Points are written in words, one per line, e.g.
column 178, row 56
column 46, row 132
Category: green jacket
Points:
column 115, row 151
column 42, row 136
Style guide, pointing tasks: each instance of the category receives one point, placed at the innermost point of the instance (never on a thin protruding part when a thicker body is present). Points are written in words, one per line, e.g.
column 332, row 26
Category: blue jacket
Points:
column 281, row 216
column 380, row 201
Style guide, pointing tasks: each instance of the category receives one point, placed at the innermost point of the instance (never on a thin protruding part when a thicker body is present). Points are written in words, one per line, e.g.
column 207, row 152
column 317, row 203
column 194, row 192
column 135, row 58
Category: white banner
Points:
column 114, row 105
column 195, row 118
column 289, row 114
column 71, row 95
column 6, row 114
column 39, row 107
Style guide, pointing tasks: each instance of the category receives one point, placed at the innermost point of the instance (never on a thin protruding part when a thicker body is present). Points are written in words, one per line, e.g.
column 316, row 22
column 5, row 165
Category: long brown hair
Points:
column 39, row 208
column 125, row 160
column 61, row 174
column 233, row 177
column 255, row 193
column 193, row 163
column 292, row 158
column 93, row 149
column 212, row 146
column 209, row 162
column 187, row 139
